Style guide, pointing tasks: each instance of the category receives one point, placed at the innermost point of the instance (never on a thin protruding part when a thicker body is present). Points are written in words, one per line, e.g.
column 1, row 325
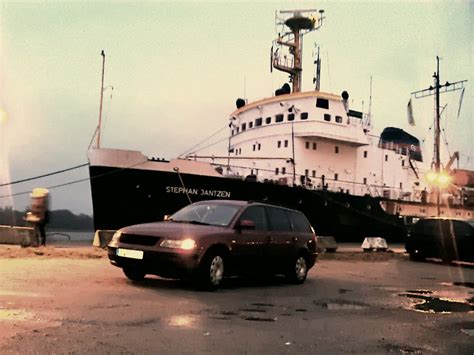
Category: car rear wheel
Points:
column 134, row 273
column 298, row 270
column 211, row 271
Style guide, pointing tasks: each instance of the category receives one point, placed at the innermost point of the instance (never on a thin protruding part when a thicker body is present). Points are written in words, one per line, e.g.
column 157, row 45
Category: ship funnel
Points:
column 345, row 100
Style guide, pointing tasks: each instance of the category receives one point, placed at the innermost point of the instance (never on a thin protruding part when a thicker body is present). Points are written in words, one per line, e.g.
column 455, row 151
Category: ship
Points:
column 307, row 150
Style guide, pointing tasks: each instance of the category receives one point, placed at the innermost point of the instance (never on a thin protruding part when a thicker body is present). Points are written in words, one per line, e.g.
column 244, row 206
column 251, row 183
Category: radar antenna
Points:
column 288, row 47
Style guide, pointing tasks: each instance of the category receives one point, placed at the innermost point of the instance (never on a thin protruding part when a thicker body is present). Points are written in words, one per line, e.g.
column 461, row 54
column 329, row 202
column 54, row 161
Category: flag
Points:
column 411, row 120
column 460, row 101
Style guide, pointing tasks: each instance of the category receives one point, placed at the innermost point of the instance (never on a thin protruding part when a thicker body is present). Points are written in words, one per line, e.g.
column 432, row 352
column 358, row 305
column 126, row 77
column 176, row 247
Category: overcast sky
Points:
column 178, row 67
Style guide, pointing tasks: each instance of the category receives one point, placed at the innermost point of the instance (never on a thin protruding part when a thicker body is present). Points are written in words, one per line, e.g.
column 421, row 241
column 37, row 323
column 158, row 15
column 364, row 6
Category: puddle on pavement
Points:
column 420, row 292
column 430, row 304
column 182, row 321
column 263, row 304
column 341, row 305
column 260, row 319
column 15, row 315
column 18, row 293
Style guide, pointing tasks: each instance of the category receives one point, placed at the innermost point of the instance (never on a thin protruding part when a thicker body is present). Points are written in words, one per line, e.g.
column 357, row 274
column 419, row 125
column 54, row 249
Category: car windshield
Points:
column 206, row 213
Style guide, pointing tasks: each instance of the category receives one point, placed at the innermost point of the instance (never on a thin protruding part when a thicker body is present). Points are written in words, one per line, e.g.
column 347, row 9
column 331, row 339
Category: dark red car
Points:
column 208, row 240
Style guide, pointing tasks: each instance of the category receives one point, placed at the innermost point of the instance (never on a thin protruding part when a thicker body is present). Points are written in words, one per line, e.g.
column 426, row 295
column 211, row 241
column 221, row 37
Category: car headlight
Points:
column 185, row 244
column 115, row 239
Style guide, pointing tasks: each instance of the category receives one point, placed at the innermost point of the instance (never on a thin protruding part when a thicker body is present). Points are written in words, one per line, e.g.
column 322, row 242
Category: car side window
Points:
column 257, row 215
column 461, row 229
column 278, row 219
column 299, row 223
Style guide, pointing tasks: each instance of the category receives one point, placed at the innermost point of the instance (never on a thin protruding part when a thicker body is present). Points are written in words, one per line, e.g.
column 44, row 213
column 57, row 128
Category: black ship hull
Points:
column 122, row 197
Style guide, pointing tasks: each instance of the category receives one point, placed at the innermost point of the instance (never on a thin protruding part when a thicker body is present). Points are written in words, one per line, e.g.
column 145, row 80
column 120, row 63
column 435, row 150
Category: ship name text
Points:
column 196, row 191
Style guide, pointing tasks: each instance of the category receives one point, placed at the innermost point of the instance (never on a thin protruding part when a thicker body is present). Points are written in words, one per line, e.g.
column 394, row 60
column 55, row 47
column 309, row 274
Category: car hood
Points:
column 172, row 229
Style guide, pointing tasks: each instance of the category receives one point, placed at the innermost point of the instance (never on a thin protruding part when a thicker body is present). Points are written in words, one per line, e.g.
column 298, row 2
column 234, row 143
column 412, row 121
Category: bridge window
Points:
column 307, row 145
column 258, row 122
column 327, row 117
column 365, row 154
column 365, row 181
column 403, row 162
column 338, row 119
column 313, row 173
column 268, row 120
column 279, row 144
column 336, row 149
column 286, row 143
column 291, row 117
column 306, row 172
column 244, row 126
column 322, row 103
column 259, row 146
column 304, row 115
column 386, row 157
column 236, row 130
column 283, row 170
column 276, row 171
column 336, row 176
column 314, row 146
column 254, row 147
column 250, row 125
column 279, row 118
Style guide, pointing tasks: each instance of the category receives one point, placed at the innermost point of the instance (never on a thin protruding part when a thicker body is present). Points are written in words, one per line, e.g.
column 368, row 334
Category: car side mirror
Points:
column 245, row 224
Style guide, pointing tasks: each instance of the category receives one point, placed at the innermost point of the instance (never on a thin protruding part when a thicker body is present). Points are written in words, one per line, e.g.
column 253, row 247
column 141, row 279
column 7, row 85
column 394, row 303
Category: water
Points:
column 61, row 238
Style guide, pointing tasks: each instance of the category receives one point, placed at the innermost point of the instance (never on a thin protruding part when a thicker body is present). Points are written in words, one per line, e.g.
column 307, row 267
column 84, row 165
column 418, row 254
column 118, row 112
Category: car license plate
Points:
column 128, row 253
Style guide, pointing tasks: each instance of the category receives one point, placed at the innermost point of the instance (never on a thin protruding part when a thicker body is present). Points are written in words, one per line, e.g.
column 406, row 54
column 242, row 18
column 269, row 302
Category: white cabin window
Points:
column 279, row 144
column 250, row 125
column 365, row 154
column 307, row 145
column 291, row 117
column 338, row 119
column 286, row 143
column 244, row 126
column 259, row 146
column 258, row 122
column 276, row 171
column 386, row 157
column 237, row 130
column 401, row 185
column 254, row 147
column 403, row 162
column 315, row 146
column 365, row 181
column 279, row 118
column 336, row 149
column 283, row 171
column 304, row 115
column 268, row 120
column 306, row 172
column 313, row 173
column 327, row 117
column 336, row 176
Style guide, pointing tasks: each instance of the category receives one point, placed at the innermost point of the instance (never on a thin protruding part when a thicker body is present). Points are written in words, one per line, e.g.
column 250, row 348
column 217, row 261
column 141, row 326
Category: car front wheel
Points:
column 134, row 273
column 211, row 271
column 298, row 270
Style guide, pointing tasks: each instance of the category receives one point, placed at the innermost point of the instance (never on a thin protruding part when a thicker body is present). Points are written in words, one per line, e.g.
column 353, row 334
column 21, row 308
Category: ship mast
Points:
column 436, row 91
column 299, row 25
column 101, row 99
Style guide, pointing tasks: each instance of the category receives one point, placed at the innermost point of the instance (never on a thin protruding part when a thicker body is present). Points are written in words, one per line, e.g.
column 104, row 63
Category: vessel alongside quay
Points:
column 305, row 150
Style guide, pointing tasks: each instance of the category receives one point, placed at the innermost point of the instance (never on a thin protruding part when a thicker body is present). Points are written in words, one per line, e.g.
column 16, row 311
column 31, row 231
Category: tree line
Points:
column 58, row 219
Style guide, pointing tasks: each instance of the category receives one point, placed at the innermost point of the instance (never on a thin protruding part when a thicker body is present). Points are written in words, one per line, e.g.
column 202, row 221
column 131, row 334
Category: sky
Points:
column 177, row 67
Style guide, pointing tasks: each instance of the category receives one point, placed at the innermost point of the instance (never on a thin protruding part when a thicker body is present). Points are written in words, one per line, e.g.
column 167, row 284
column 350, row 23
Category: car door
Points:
column 249, row 245
column 280, row 240
column 464, row 240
